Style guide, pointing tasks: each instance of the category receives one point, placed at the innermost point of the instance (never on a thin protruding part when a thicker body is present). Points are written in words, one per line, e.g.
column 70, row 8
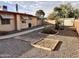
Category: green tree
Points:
column 63, row 11
column 54, row 17
column 76, row 13
column 40, row 13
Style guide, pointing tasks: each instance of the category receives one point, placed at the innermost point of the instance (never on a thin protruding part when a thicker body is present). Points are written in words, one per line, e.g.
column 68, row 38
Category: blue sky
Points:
column 31, row 7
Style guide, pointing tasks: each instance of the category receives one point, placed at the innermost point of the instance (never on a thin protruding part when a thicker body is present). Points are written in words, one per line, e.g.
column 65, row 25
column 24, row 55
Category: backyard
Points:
column 20, row 46
column 18, row 34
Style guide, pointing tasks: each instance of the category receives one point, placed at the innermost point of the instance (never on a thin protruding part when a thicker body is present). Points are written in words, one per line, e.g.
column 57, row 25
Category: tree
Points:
column 60, row 12
column 40, row 14
column 76, row 13
column 54, row 17
column 64, row 11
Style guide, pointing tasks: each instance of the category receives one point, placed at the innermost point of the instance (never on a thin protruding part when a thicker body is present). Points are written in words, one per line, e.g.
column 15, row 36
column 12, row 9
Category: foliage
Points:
column 49, row 31
column 54, row 17
column 40, row 13
column 64, row 11
column 76, row 13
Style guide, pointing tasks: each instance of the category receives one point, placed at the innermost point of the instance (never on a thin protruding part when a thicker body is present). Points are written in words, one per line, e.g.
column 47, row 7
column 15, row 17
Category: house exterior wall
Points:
column 39, row 22
column 25, row 25
column 7, row 27
column 34, row 21
column 16, row 23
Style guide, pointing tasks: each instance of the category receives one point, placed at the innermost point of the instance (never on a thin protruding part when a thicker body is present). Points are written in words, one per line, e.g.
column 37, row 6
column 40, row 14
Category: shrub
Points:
column 49, row 31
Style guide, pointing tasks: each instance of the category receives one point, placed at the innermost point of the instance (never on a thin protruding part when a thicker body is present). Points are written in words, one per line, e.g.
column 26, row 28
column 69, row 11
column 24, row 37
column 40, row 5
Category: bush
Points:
column 49, row 31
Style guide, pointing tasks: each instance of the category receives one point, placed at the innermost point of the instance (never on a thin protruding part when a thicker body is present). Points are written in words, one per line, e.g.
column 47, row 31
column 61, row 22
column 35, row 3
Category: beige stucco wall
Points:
column 34, row 21
column 8, row 27
column 39, row 22
column 19, row 24
column 25, row 25
column 76, row 24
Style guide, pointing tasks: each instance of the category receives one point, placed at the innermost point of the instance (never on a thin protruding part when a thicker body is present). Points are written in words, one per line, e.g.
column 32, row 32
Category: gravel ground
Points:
column 13, row 47
column 67, row 48
column 20, row 46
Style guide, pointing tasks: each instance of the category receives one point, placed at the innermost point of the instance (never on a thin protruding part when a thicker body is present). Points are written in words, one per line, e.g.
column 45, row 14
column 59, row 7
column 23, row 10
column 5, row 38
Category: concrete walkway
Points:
column 21, row 33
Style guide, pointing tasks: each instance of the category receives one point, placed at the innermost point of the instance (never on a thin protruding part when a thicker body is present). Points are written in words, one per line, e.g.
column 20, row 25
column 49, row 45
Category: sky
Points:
column 30, row 7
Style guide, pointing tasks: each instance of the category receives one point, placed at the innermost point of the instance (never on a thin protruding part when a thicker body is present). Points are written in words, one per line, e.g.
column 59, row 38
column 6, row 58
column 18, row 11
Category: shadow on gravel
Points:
column 58, row 46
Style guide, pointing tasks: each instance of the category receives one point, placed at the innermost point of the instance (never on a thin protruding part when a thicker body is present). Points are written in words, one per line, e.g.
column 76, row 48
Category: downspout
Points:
column 15, row 15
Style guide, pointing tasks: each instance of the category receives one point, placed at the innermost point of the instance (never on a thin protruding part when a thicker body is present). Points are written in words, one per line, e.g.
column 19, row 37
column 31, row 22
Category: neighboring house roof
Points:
column 16, row 13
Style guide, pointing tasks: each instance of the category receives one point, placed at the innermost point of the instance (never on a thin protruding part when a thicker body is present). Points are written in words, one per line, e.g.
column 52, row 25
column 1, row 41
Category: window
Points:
column 5, row 21
column 23, row 21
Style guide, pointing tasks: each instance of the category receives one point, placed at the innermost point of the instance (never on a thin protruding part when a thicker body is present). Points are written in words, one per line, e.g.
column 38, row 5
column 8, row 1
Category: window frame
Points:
column 5, row 21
